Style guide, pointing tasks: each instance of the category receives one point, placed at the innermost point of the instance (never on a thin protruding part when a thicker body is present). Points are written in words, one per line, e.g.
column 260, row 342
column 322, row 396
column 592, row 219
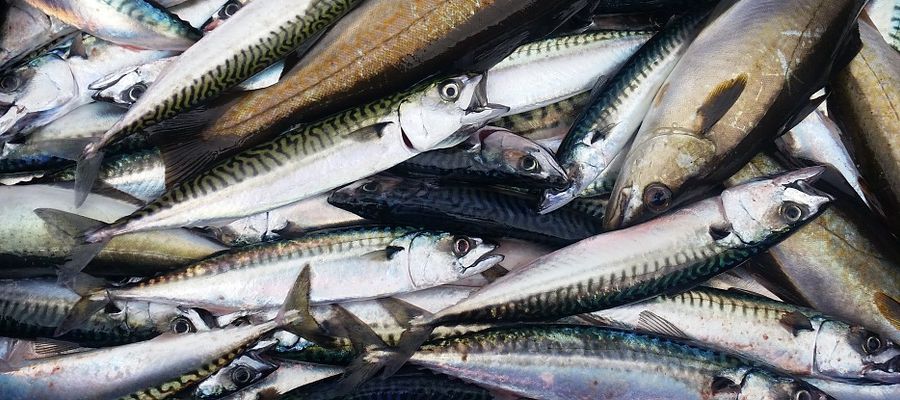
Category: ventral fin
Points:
column 719, row 101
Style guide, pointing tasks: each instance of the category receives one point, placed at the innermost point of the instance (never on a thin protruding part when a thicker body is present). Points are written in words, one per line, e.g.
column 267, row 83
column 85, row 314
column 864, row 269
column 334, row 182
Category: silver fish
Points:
column 26, row 29
column 795, row 340
column 288, row 375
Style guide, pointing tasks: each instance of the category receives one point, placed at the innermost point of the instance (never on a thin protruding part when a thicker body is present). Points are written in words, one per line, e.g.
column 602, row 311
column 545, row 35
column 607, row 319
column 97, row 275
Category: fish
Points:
column 728, row 96
column 27, row 243
column 224, row 58
column 436, row 115
column 885, row 15
column 863, row 103
column 850, row 391
column 818, row 140
column 225, row 12
column 25, row 30
column 489, row 156
column 842, row 264
column 287, row 376
column 292, row 220
column 50, row 86
column 550, row 122
column 795, row 340
column 33, row 308
column 368, row 262
column 182, row 359
column 135, row 23
column 469, row 209
column 579, row 362
column 140, row 174
column 243, row 371
column 670, row 253
column 447, row 37
column 616, row 110
column 404, row 385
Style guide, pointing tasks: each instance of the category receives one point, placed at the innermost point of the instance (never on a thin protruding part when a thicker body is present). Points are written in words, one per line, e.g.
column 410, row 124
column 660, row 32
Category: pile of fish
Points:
column 450, row 199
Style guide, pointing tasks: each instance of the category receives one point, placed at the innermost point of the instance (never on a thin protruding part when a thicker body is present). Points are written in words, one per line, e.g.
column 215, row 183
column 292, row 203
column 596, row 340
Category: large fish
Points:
column 747, row 75
column 865, row 102
column 389, row 47
column 798, row 341
column 842, row 264
column 616, row 110
column 578, row 362
column 135, row 23
column 313, row 159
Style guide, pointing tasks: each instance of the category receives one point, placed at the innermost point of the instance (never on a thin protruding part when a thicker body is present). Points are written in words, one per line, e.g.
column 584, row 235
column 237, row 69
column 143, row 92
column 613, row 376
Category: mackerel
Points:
column 287, row 376
column 26, row 29
column 795, row 340
column 615, row 113
column 578, row 362
column 224, row 58
column 548, row 122
column 672, row 252
column 405, row 385
column 134, row 23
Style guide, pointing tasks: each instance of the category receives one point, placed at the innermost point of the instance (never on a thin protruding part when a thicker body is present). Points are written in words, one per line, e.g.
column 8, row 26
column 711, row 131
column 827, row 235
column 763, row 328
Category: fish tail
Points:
column 87, row 169
column 94, row 298
column 295, row 315
column 90, row 235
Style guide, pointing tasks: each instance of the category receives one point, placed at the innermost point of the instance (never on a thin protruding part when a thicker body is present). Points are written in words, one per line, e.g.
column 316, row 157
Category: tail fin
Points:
column 87, row 170
column 93, row 299
column 74, row 226
column 294, row 315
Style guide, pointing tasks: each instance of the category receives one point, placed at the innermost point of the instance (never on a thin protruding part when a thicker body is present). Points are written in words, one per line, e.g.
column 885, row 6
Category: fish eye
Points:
column 792, row 212
column 802, row 394
column 657, row 197
column 10, row 83
column 230, row 9
column 182, row 325
column 530, row 164
column 136, row 91
column 450, row 90
column 241, row 375
column 461, row 246
column 872, row 344
column 370, row 187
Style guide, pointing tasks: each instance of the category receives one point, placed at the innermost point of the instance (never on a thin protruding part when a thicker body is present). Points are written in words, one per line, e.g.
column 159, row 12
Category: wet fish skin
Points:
column 864, row 104
column 288, row 376
column 495, row 213
column 841, row 264
column 132, row 23
column 397, row 127
column 885, row 15
column 405, row 385
column 546, row 123
column 24, row 30
column 616, row 111
column 490, row 156
column 797, row 341
column 818, row 140
column 624, row 266
column 729, row 95
column 140, row 174
column 33, row 308
column 578, row 362
column 243, row 371
column 849, row 391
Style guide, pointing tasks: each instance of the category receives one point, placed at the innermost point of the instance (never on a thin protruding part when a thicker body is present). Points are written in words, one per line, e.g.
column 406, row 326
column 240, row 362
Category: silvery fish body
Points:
column 795, row 340
column 291, row 167
column 134, row 23
column 578, row 362
column 288, row 375
column 140, row 174
column 885, row 14
column 26, row 29
column 671, row 252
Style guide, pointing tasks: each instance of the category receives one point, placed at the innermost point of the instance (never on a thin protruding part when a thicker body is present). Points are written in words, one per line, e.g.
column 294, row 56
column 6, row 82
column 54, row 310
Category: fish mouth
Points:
column 487, row 260
column 553, row 200
column 886, row 372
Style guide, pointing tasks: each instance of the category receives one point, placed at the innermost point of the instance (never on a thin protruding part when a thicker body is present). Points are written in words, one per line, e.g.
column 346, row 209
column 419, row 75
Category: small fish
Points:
column 181, row 360
column 798, row 341
column 578, row 362
column 490, row 156
column 287, row 376
column 481, row 211
column 843, row 263
column 616, row 110
column 728, row 96
column 817, row 140
column 135, row 23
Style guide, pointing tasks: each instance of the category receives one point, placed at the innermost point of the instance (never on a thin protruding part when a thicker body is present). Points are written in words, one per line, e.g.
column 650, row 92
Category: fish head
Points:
column 519, row 159
column 761, row 210
column 445, row 113
column 123, row 87
column 762, row 385
column 241, row 373
column 40, row 85
column 167, row 318
column 656, row 176
column 374, row 195
column 442, row 257
column 225, row 12
column 845, row 352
